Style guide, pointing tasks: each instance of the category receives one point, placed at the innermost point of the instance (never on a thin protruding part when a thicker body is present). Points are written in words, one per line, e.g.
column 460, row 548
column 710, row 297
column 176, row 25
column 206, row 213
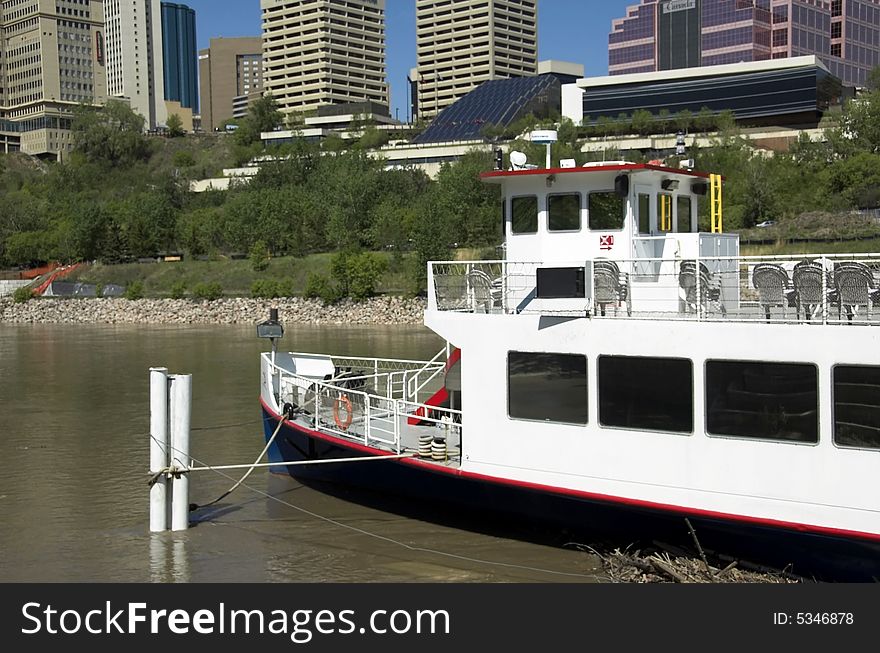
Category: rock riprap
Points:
column 378, row 310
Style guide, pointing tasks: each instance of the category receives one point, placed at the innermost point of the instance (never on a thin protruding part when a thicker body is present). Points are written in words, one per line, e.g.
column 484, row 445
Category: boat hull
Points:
column 809, row 554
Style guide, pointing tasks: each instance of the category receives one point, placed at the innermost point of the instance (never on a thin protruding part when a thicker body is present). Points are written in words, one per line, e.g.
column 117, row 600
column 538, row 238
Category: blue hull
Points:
column 811, row 555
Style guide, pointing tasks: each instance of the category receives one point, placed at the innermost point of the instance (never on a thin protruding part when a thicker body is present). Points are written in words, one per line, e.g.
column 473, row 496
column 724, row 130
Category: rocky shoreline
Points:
column 375, row 311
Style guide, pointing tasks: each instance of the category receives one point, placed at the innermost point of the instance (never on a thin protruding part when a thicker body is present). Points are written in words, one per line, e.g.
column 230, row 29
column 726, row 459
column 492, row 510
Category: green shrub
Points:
column 272, row 288
column 22, row 295
column 134, row 290
column 178, row 290
column 208, row 291
column 259, row 256
column 316, row 285
column 99, row 290
column 356, row 274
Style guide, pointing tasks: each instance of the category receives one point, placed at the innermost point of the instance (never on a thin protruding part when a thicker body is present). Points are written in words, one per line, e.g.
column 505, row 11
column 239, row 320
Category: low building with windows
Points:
column 782, row 92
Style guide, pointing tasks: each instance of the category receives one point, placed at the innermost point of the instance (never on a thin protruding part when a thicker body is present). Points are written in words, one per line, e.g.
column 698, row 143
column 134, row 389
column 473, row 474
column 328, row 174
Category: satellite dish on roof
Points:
column 518, row 160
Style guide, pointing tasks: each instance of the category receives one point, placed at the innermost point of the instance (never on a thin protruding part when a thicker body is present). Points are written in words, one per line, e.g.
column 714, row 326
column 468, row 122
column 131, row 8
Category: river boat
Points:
column 623, row 371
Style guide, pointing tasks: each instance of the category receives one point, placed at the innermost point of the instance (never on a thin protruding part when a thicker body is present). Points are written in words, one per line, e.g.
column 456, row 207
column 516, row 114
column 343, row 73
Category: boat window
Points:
column 524, row 214
column 857, row 406
column 684, row 214
column 564, row 212
column 644, row 213
column 768, row 401
column 607, row 211
column 656, row 394
column 664, row 212
column 547, row 387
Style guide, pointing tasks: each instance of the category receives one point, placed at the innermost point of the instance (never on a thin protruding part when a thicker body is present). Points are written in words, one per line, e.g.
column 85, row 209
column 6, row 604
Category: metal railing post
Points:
column 367, row 426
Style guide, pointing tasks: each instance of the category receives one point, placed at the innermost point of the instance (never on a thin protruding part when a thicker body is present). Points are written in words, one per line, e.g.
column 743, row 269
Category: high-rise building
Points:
column 462, row 43
column 180, row 55
column 320, row 52
column 669, row 34
column 134, row 56
column 52, row 59
column 230, row 68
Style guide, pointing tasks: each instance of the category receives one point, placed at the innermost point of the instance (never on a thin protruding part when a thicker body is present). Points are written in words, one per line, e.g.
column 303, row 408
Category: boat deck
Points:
column 376, row 403
column 833, row 289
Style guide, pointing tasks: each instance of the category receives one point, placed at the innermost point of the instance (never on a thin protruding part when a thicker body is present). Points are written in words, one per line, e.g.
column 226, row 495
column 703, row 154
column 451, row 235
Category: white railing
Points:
column 353, row 408
column 429, row 372
column 828, row 289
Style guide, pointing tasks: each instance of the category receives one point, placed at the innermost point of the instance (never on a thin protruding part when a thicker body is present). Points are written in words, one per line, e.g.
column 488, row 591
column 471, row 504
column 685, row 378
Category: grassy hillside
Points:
column 234, row 276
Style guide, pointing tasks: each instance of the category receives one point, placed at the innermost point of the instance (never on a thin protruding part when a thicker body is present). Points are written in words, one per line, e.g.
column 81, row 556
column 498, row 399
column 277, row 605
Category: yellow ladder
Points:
column 666, row 213
column 715, row 199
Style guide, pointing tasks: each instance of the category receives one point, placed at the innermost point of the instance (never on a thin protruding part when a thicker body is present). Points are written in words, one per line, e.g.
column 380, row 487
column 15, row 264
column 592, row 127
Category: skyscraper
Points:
column 134, row 56
column 180, row 55
column 463, row 43
column 320, row 52
column 230, row 68
column 52, row 58
column 669, row 34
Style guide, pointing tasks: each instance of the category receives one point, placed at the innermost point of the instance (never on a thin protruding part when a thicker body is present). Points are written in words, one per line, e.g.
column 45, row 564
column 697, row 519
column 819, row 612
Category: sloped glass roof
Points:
column 499, row 102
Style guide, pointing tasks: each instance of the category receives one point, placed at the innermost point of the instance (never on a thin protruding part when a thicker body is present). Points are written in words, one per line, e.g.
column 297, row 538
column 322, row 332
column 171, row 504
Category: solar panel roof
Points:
column 496, row 102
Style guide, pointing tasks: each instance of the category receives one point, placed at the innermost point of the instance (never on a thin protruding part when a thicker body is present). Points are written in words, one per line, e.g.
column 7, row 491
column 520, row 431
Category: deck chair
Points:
column 609, row 286
column 486, row 293
column 808, row 280
column 710, row 289
column 854, row 285
column 772, row 283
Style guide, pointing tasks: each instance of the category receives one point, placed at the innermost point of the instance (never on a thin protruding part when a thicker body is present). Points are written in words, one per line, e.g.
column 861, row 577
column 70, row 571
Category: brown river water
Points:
column 74, row 422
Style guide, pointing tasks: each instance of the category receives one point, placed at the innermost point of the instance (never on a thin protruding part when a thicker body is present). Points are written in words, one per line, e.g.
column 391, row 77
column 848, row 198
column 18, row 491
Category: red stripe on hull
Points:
column 625, row 501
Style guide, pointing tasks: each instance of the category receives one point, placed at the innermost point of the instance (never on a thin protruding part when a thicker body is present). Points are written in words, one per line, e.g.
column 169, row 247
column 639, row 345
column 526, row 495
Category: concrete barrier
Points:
column 7, row 287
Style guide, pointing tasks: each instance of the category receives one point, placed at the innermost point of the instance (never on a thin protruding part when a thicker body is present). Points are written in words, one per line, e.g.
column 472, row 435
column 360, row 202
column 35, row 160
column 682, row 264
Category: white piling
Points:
column 159, row 448
column 181, row 411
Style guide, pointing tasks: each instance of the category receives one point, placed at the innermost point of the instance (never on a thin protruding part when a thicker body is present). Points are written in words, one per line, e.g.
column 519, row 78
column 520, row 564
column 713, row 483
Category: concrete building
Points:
column 180, row 55
column 134, row 57
column 52, row 59
column 320, row 52
column 669, row 34
column 230, row 76
column 462, row 43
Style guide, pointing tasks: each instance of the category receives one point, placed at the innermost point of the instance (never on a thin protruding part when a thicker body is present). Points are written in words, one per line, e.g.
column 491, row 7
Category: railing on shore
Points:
column 828, row 289
column 373, row 402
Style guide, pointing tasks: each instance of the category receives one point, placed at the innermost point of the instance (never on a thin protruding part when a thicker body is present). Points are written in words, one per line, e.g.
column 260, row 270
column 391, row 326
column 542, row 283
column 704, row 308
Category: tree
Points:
column 705, row 120
column 175, row 126
column 664, row 120
column 683, row 120
column 642, row 121
column 873, row 82
column 112, row 135
column 262, row 116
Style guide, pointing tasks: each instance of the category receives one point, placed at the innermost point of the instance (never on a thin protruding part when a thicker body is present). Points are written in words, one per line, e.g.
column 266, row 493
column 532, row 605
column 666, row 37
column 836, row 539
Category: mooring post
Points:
column 159, row 449
column 181, row 411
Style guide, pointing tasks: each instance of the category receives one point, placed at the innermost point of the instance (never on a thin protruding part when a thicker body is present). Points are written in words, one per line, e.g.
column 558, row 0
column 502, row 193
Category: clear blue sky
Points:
column 569, row 30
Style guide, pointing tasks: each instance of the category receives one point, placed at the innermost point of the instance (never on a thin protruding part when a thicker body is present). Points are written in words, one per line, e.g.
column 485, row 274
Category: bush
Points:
column 22, row 295
column 259, row 256
column 134, row 290
column 208, row 291
column 320, row 287
column 356, row 274
column 99, row 290
column 178, row 290
column 269, row 288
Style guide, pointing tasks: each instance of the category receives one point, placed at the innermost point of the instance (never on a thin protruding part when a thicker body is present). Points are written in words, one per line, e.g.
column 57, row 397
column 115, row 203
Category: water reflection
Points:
column 74, row 414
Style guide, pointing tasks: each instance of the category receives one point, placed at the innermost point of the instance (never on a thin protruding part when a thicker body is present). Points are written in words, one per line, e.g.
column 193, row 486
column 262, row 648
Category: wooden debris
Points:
column 626, row 567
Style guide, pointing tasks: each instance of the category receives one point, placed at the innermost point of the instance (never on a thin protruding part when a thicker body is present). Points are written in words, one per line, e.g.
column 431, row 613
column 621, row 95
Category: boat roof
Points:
column 500, row 175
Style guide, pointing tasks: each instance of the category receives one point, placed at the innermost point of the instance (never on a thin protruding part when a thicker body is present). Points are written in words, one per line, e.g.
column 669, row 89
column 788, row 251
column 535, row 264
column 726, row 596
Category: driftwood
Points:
column 660, row 567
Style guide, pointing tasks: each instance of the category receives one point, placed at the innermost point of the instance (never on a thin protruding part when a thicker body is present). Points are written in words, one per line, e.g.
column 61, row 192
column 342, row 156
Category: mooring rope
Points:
column 384, row 538
column 246, row 474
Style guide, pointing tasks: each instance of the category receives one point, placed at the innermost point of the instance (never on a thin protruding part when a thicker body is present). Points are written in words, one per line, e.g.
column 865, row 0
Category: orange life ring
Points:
column 343, row 400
